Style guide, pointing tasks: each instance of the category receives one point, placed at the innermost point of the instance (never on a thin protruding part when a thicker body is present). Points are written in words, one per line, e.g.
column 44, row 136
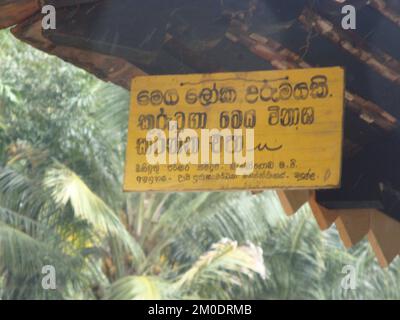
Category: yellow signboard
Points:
column 233, row 131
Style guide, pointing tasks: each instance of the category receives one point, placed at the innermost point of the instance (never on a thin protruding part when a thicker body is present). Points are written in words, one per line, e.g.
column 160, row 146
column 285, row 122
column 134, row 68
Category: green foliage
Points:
column 213, row 270
column 62, row 147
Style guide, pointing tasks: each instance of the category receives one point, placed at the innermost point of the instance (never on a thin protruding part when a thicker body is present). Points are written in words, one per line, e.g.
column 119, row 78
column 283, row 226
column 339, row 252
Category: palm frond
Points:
column 20, row 193
column 225, row 262
column 141, row 288
column 237, row 215
column 26, row 245
column 22, row 258
column 68, row 188
column 19, row 251
column 114, row 119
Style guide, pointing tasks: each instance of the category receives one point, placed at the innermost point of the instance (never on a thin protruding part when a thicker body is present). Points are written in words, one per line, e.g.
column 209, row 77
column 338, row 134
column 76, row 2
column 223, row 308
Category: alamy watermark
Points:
column 188, row 147
column 49, row 20
column 348, row 21
column 349, row 281
column 49, row 281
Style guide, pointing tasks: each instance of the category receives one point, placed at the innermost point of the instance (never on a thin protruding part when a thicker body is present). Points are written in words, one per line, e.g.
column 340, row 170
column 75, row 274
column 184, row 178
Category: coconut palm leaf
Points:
column 224, row 263
column 114, row 120
column 68, row 188
column 26, row 246
column 19, row 251
column 141, row 288
column 21, row 193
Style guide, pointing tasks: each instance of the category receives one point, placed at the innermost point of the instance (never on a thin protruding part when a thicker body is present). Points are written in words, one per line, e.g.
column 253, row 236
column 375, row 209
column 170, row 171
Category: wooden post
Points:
column 353, row 225
column 293, row 200
column 324, row 217
column 384, row 236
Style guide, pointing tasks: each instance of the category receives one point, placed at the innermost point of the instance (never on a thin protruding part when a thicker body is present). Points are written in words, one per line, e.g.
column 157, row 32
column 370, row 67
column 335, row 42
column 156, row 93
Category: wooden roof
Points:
column 118, row 40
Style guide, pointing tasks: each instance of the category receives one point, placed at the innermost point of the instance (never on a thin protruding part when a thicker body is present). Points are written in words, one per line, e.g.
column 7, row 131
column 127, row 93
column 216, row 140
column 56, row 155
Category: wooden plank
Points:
column 16, row 11
column 293, row 200
column 353, row 225
column 66, row 3
column 323, row 216
column 281, row 146
column 384, row 8
column 105, row 67
column 108, row 68
column 384, row 236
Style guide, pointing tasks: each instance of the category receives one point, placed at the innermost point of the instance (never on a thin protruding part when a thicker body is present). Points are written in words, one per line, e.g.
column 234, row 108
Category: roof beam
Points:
column 379, row 61
column 16, row 11
column 385, row 10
